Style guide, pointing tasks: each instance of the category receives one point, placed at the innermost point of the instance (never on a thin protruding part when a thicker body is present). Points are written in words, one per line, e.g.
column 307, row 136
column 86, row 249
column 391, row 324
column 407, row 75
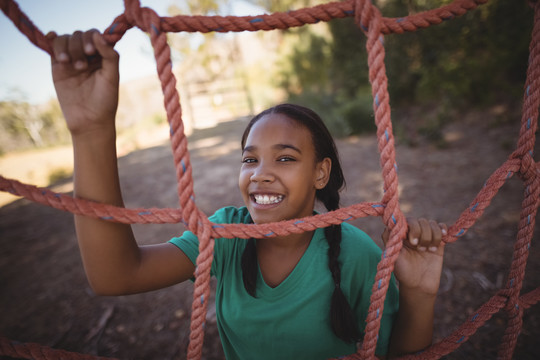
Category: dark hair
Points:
column 342, row 317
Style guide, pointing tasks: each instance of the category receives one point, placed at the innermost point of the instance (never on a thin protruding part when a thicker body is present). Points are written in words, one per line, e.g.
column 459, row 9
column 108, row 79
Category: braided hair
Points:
column 342, row 317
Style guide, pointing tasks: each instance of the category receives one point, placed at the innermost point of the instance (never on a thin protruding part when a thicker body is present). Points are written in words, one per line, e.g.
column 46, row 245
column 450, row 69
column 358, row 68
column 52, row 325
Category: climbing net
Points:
column 370, row 20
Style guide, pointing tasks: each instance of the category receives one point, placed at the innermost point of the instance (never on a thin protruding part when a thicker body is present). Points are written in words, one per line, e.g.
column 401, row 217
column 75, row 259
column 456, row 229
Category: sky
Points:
column 25, row 69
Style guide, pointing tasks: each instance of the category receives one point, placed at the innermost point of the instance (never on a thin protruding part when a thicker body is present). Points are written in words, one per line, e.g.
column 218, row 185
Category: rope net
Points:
column 370, row 20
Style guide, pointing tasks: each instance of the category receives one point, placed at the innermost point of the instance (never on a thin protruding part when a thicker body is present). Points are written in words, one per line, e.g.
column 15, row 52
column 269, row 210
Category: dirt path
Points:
column 45, row 298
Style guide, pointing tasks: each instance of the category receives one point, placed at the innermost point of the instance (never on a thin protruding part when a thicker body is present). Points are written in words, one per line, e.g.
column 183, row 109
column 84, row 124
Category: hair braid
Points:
column 342, row 317
column 249, row 267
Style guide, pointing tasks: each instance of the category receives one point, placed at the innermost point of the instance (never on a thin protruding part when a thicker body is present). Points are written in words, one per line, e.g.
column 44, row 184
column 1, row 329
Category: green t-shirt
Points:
column 291, row 320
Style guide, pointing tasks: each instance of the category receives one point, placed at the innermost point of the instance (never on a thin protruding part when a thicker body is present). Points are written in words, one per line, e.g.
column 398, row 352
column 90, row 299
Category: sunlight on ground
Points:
column 43, row 166
column 35, row 167
column 40, row 167
column 214, row 147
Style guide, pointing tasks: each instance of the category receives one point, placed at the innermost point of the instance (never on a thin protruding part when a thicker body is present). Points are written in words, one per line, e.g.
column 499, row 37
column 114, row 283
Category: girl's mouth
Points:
column 267, row 199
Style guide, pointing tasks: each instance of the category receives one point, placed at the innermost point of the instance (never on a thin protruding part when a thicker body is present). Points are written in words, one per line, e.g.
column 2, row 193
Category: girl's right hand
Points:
column 86, row 77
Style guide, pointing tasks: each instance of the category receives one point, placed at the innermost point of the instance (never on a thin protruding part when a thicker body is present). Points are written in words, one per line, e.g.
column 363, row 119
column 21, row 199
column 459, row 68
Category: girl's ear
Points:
column 323, row 173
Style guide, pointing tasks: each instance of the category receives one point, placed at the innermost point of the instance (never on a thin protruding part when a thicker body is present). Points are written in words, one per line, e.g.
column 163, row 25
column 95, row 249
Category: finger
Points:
column 92, row 55
column 104, row 48
column 76, row 52
column 51, row 35
column 88, row 42
column 60, row 51
column 414, row 232
column 436, row 236
column 109, row 57
column 444, row 232
column 425, row 234
column 444, row 228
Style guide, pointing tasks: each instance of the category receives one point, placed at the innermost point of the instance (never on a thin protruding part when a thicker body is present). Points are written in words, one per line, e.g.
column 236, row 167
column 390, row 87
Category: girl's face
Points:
column 280, row 174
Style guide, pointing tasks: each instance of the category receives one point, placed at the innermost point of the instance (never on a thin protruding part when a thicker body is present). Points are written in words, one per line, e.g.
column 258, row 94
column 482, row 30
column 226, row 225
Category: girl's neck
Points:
column 277, row 257
column 292, row 242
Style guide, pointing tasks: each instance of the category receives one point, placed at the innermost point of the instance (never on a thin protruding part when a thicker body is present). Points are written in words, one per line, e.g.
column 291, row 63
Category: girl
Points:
column 302, row 295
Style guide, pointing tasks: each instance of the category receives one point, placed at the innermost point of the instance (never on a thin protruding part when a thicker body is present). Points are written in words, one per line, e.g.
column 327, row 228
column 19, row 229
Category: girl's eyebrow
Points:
column 251, row 148
column 287, row 146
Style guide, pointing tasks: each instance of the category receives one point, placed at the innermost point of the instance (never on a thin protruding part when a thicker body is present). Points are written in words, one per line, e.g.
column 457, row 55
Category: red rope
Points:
column 369, row 19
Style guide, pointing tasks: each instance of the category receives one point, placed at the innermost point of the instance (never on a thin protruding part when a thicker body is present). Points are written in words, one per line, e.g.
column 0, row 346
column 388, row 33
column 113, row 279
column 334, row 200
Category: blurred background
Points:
column 477, row 61
column 456, row 93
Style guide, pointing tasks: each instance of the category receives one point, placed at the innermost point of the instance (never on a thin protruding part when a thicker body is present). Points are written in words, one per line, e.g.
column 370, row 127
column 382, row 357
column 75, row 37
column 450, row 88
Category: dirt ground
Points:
column 45, row 298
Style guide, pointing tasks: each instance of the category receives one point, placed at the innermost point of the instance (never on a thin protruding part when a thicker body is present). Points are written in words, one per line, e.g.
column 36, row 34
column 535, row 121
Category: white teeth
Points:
column 267, row 199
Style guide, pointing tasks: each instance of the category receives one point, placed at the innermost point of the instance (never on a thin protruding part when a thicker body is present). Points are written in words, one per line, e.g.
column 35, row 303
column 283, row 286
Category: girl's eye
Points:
column 285, row 158
column 248, row 160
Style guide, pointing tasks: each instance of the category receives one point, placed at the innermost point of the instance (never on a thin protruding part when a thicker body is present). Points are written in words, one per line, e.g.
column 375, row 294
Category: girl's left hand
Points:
column 419, row 265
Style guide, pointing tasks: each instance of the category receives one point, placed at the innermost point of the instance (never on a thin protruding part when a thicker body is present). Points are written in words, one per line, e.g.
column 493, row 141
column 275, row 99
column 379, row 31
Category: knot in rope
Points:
column 144, row 18
column 529, row 168
column 512, row 307
column 367, row 15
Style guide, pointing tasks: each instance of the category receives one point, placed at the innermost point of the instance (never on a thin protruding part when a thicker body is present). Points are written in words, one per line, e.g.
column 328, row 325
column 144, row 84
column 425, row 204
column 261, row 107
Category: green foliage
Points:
column 430, row 128
column 284, row 5
column 471, row 61
column 58, row 174
column 307, row 67
column 477, row 59
column 358, row 113
column 327, row 72
column 159, row 119
column 349, row 60
column 24, row 126
column 197, row 7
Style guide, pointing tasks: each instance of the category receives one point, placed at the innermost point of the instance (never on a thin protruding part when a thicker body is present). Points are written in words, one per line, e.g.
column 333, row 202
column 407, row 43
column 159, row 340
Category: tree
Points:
column 479, row 58
column 474, row 60
column 23, row 125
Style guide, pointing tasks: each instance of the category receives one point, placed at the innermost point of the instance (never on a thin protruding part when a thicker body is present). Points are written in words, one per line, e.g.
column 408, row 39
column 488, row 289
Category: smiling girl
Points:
column 302, row 296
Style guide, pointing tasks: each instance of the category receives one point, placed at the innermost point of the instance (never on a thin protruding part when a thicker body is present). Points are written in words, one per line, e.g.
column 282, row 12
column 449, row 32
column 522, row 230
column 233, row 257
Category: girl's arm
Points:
column 86, row 78
column 418, row 271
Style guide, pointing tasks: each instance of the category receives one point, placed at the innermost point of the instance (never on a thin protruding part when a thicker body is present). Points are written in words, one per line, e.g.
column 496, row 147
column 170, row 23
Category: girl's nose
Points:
column 262, row 174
